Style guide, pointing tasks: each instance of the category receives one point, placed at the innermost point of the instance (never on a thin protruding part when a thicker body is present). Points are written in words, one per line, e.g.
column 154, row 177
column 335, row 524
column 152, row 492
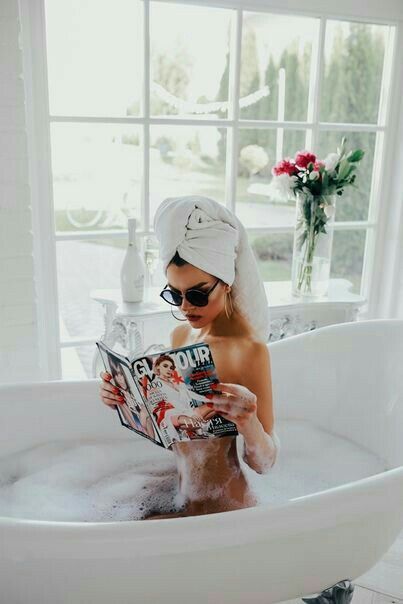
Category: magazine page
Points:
column 177, row 384
column 133, row 413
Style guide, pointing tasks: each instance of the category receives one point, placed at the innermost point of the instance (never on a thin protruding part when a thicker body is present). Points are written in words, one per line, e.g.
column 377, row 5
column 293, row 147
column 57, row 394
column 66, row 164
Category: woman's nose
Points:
column 187, row 308
column 185, row 305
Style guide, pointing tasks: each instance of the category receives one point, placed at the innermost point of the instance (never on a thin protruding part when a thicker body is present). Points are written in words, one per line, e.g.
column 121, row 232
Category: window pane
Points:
column 189, row 58
column 354, row 203
column 273, row 252
column 186, row 160
column 257, row 156
column 96, row 175
column 354, row 54
column 83, row 266
column 271, row 43
column 348, row 257
column 94, row 54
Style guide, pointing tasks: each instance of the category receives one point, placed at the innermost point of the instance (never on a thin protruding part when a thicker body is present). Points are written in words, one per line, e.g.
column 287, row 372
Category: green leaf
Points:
column 344, row 169
column 356, row 155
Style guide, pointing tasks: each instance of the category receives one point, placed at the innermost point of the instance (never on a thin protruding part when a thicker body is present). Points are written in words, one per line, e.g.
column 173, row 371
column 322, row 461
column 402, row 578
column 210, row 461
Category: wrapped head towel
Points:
column 209, row 236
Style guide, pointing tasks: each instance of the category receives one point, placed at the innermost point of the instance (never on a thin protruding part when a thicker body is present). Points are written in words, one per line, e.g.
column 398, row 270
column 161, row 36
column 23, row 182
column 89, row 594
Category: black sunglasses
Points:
column 196, row 297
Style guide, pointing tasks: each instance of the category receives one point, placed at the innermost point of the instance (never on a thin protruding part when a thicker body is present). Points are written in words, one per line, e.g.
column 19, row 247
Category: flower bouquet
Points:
column 315, row 184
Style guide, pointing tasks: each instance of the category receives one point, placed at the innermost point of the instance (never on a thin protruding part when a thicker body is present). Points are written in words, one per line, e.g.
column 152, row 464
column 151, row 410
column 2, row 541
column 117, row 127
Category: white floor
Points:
column 383, row 584
column 386, row 577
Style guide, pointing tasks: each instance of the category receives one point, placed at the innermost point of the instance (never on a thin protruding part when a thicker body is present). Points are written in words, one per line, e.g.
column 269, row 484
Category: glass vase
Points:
column 313, row 239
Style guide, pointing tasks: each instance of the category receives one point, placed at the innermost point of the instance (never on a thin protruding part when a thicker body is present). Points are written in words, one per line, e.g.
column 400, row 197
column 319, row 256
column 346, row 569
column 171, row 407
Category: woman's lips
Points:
column 193, row 317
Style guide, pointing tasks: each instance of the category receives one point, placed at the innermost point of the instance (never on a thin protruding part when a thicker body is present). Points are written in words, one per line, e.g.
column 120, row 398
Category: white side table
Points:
column 138, row 327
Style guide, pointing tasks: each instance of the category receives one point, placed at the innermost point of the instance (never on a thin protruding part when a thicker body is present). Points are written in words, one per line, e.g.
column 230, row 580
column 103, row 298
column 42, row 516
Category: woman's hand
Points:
column 236, row 403
column 110, row 395
column 204, row 412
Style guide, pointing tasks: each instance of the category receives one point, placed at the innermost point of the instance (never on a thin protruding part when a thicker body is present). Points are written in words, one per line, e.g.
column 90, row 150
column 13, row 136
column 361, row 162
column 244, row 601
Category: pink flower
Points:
column 285, row 166
column 318, row 164
column 303, row 158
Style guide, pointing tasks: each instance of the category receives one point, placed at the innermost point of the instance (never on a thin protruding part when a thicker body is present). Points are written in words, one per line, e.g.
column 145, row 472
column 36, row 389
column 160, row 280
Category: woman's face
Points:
column 120, row 379
column 182, row 278
column 165, row 369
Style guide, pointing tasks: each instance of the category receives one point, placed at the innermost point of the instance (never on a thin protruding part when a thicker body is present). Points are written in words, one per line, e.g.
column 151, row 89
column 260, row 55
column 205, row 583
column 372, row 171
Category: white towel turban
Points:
column 209, row 236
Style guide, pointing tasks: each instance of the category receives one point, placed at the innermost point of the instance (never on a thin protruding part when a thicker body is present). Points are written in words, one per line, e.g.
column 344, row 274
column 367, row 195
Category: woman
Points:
column 179, row 398
column 136, row 416
column 213, row 276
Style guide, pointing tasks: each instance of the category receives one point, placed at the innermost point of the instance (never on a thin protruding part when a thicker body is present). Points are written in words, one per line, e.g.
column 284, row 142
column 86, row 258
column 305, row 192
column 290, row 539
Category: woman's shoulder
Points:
column 180, row 334
column 237, row 344
column 238, row 351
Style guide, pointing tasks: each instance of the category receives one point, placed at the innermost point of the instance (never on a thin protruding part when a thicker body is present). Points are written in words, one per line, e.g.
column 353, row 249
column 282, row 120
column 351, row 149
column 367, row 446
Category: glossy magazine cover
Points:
column 175, row 388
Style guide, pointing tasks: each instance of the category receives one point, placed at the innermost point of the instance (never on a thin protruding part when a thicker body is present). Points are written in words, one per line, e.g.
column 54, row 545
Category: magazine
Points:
column 166, row 394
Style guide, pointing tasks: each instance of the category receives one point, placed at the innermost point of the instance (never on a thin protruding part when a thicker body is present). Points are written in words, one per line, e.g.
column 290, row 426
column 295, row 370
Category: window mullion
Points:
column 121, row 234
column 231, row 171
column 316, row 76
column 360, row 10
column 145, row 189
column 218, row 123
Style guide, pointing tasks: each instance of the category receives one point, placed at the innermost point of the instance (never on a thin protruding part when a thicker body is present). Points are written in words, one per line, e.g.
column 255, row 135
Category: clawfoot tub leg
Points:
column 339, row 593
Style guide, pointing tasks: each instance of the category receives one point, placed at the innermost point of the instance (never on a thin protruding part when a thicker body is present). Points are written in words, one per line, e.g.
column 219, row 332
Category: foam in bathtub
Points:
column 86, row 481
column 311, row 459
column 101, row 481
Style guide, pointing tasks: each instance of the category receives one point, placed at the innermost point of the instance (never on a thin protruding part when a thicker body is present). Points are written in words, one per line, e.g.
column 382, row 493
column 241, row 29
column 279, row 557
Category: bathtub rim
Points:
column 345, row 325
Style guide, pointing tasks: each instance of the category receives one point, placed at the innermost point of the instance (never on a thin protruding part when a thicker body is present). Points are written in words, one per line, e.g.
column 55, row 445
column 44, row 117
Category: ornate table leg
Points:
column 109, row 315
column 135, row 338
column 339, row 593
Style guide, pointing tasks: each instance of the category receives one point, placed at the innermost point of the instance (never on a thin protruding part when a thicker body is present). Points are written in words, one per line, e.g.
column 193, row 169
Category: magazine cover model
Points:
column 166, row 394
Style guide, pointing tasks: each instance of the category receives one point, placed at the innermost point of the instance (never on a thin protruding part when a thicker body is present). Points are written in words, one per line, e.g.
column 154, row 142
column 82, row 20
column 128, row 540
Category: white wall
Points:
column 18, row 322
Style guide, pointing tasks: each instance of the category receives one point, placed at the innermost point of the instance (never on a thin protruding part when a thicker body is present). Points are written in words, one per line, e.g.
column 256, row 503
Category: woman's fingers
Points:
column 205, row 411
column 110, row 388
column 110, row 402
column 110, row 395
column 111, row 398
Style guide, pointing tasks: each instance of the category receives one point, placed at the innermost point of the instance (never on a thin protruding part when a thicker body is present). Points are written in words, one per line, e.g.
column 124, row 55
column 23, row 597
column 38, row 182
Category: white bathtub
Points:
column 344, row 379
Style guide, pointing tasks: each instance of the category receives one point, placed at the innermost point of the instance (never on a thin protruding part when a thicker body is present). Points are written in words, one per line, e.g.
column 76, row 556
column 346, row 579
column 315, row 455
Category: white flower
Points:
column 329, row 211
column 282, row 186
column 331, row 161
column 314, row 175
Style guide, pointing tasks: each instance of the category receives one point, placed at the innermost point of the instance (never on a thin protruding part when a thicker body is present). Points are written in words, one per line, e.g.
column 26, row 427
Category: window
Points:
column 139, row 111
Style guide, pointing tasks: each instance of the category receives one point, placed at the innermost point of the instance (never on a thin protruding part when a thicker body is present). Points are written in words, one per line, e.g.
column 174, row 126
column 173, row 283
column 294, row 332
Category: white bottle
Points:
column 133, row 269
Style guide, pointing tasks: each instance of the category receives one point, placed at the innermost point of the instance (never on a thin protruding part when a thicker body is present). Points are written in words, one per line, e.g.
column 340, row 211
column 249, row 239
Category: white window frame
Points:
column 381, row 255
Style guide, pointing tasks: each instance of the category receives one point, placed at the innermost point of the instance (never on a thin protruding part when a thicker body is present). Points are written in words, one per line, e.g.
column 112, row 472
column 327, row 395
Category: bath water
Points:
column 116, row 480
